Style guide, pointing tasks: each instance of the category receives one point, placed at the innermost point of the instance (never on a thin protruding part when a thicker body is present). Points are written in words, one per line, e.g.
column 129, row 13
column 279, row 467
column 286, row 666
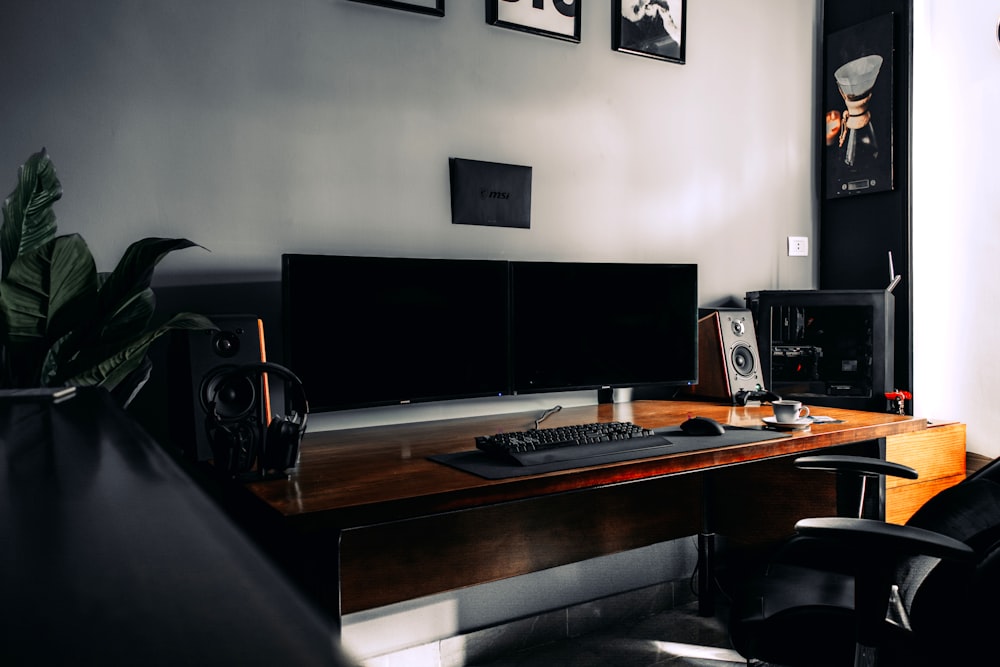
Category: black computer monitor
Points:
column 827, row 347
column 578, row 325
column 368, row 331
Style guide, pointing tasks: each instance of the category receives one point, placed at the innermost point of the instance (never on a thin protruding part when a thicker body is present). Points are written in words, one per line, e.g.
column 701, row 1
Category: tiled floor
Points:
column 676, row 638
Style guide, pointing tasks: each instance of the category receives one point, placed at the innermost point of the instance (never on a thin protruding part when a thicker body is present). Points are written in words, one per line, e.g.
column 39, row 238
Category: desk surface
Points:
column 374, row 475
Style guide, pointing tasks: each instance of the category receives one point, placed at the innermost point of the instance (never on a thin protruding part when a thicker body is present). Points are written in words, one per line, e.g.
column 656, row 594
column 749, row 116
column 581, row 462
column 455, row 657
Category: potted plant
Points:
column 62, row 322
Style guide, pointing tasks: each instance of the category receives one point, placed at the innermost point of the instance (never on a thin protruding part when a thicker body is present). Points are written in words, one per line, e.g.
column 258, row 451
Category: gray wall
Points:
column 256, row 127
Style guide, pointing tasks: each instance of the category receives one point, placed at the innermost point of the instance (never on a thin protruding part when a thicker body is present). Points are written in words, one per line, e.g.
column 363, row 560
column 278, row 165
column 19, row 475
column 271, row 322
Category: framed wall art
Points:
column 650, row 28
column 857, row 109
column 429, row 7
column 550, row 18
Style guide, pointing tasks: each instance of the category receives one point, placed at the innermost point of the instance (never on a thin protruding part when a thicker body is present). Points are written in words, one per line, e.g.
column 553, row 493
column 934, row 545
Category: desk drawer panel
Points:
column 398, row 561
column 935, row 452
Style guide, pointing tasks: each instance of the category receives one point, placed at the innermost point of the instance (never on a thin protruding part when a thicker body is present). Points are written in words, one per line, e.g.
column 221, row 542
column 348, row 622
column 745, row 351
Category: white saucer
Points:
column 797, row 425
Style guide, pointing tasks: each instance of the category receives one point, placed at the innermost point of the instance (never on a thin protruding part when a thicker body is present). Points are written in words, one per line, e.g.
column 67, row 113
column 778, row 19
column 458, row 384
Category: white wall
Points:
column 956, row 216
column 257, row 127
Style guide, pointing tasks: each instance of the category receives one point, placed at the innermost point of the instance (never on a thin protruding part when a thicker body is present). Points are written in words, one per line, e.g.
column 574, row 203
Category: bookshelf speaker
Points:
column 728, row 360
column 203, row 383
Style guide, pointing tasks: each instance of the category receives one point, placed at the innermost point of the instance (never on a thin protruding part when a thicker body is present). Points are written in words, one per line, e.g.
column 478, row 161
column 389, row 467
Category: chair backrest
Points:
column 990, row 471
column 945, row 598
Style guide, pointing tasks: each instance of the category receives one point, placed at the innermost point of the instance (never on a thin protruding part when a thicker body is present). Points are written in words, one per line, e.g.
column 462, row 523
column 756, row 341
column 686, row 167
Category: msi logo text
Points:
column 493, row 194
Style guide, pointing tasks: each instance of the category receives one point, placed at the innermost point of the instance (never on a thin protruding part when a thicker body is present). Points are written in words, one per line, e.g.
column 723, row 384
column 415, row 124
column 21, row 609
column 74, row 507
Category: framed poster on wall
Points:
column 550, row 18
column 429, row 7
column 650, row 28
column 857, row 109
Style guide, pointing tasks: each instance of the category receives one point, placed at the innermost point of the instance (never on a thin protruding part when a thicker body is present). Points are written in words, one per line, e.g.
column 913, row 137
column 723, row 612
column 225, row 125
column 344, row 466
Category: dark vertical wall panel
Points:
column 858, row 232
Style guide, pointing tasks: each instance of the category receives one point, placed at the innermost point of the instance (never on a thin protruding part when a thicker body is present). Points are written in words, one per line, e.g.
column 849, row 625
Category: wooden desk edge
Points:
column 379, row 474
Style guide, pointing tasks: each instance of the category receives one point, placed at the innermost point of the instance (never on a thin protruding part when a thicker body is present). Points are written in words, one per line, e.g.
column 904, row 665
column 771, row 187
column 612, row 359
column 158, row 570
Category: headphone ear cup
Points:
column 234, row 447
column 238, row 437
column 281, row 446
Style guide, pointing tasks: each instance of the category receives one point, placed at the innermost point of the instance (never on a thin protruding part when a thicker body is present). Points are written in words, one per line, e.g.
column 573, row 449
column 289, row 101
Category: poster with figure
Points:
column 651, row 28
column 857, row 109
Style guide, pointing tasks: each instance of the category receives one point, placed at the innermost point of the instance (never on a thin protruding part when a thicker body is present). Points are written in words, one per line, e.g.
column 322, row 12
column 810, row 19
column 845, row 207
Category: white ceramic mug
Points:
column 787, row 412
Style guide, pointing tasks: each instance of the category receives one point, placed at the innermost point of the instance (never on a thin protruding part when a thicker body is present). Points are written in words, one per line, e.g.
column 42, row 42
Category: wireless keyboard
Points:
column 569, row 443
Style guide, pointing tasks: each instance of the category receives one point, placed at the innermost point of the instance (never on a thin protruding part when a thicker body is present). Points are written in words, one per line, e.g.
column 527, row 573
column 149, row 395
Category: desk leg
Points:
column 312, row 562
column 706, row 574
column 320, row 575
column 338, row 615
column 706, row 551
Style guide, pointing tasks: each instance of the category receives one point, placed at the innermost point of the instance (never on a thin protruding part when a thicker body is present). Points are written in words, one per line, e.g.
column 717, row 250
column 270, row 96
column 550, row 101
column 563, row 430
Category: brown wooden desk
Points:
column 401, row 526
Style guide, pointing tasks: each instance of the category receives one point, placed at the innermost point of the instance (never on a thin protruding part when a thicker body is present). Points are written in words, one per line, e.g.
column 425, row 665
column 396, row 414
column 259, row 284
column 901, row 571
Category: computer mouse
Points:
column 702, row 426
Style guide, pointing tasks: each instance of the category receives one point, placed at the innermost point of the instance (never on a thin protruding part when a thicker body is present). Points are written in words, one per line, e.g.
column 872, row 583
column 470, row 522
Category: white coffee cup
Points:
column 787, row 412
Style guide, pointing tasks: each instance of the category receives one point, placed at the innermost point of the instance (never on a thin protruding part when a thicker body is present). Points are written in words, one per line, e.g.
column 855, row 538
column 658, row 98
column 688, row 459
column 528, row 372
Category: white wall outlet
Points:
column 798, row 246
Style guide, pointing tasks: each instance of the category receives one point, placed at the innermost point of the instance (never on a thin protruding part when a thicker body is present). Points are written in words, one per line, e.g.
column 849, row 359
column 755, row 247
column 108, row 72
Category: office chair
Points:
column 858, row 591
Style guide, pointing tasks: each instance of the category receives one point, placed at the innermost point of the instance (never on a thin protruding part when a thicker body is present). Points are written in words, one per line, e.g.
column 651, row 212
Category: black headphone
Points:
column 235, row 419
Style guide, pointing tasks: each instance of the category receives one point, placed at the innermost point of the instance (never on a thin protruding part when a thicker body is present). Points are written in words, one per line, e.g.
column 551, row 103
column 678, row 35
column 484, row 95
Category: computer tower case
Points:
column 826, row 347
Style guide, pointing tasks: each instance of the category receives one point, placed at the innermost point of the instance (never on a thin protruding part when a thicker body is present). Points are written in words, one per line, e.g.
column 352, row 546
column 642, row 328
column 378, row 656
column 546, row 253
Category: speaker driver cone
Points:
column 743, row 360
column 235, row 396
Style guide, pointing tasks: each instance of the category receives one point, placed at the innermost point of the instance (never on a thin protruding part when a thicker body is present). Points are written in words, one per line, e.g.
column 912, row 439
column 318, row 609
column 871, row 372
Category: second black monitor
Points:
column 578, row 325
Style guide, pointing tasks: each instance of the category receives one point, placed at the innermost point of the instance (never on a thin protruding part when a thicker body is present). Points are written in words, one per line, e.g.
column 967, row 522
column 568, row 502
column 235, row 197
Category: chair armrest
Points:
column 883, row 544
column 879, row 537
column 862, row 465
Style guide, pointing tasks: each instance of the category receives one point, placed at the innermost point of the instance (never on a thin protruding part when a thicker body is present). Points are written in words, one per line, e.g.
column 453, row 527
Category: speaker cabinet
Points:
column 200, row 363
column 728, row 360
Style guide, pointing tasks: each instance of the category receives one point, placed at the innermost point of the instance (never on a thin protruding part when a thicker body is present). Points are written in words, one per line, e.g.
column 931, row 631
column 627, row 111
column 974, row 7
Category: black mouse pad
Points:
column 482, row 465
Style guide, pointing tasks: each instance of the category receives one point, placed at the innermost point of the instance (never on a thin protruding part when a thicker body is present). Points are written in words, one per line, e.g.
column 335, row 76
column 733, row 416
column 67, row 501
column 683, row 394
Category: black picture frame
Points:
column 429, row 7
column 858, row 138
column 559, row 19
column 639, row 27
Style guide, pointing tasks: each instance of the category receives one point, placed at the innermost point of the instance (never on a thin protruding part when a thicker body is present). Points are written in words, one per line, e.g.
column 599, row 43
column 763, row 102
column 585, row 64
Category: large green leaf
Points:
column 115, row 367
column 49, row 290
column 69, row 357
column 134, row 271
column 129, row 318
column 91, row 343
column 28, row 219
